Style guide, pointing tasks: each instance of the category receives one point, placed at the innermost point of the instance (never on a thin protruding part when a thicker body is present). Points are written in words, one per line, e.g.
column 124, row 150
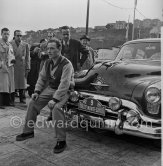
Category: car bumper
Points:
column 122, row 127
column 140, row 131
column 144, row 127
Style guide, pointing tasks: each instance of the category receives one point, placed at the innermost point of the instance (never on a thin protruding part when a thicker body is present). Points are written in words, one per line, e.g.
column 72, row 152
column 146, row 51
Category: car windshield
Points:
column 145, row 51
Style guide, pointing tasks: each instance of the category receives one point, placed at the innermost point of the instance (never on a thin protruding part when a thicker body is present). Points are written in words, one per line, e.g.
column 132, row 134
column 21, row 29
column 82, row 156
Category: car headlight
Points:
column 153, row 95
column 114, row 103
column 74, row 96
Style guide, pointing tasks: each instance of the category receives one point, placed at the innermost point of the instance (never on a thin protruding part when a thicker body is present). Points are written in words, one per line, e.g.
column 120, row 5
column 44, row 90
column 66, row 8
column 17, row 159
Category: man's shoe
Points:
column 49, row 118
column 60, row 147
column 12, row 104
column 24, row 136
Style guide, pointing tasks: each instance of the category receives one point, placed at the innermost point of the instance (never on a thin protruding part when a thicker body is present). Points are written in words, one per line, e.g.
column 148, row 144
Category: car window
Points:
column 126, row 53
column 142, row 50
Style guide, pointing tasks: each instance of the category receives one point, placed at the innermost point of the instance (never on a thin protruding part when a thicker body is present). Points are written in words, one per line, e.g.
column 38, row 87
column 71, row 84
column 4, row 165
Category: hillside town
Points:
column 106, row 36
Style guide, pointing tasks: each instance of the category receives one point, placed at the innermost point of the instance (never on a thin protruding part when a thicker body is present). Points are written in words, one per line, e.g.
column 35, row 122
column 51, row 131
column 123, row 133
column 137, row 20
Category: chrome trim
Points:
column 141, row 131
column 120, row 127
column 146, row 119
column 119, row 123
column 125, row 103
column 106, row 99
column 96, row 84
column 110, row 111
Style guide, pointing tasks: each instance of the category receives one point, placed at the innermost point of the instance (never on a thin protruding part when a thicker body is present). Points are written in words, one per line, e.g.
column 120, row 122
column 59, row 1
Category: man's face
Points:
column 85, row 42
column 50, row 35
column 52, row 50
column 5, row 35
column 66, row 34
column 18, row 36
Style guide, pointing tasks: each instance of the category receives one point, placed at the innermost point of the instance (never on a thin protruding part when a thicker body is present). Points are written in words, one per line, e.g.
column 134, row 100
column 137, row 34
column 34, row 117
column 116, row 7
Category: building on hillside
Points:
column 155, row 32
column 110, row 26
column 56, row 31
column 137, row 23
column 100, row 28
column 29, row 33
column 120, row 25
column 155, row 22
column 83, row 29
column 146, row 23
column 49, row 30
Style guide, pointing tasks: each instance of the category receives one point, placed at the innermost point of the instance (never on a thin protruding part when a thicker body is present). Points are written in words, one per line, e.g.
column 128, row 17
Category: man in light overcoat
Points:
column 22, row 66
column 7, row 87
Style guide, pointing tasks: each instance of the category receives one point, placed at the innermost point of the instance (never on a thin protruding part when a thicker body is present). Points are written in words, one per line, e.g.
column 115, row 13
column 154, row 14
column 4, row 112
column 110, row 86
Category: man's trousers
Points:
column 34, row 108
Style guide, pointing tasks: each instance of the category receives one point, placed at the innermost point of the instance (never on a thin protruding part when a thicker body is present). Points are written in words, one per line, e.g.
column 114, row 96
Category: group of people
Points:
column 28, row 61
column 14, row 67
column 55, row 76
column 79, row 53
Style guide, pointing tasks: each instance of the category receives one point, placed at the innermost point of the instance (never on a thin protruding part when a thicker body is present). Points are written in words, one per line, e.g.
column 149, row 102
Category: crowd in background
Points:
column 20, row 64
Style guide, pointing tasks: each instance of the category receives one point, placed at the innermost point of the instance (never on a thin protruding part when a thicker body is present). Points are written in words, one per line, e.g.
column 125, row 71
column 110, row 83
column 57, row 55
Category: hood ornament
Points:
column 99, row 83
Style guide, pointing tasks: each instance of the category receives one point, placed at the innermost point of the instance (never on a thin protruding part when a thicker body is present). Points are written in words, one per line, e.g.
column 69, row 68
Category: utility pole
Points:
column 87, row 18
column 127, row 29
column 134, row 20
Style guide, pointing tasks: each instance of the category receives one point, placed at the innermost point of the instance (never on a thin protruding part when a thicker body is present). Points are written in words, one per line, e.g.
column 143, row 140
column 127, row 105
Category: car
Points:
column 123, row 95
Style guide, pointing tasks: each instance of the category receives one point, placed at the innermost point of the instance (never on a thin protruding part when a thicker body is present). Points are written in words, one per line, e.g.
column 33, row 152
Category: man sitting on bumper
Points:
column 58, row 72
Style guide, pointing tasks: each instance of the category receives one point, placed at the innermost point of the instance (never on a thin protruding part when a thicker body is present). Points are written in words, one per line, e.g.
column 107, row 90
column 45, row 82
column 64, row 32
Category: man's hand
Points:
column 51, row 104
column 36, row 50
column 35, row 96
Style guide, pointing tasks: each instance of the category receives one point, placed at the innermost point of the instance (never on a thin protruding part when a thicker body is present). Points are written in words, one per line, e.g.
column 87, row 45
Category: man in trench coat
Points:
column 22, row 66
column 7, row 87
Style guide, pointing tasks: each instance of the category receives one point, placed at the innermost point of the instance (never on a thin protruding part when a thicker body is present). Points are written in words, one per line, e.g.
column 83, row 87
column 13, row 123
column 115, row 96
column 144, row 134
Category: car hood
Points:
column 120, row 78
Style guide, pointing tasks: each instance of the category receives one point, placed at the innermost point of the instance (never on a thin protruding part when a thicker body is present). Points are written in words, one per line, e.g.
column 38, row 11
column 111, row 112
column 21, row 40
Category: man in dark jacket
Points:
column 58, row 73
column 72, row 48
column 35, row 66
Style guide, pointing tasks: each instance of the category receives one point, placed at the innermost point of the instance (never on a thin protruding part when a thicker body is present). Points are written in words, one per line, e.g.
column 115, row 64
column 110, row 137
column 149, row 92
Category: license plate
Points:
column 92, row 105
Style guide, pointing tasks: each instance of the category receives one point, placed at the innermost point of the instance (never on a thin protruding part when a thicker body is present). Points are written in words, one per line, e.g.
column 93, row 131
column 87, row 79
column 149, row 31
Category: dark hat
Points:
column 42, row 40
column 85, row 37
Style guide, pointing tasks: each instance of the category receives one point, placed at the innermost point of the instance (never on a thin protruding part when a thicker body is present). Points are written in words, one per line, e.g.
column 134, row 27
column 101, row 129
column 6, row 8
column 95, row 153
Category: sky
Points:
column 42, row 14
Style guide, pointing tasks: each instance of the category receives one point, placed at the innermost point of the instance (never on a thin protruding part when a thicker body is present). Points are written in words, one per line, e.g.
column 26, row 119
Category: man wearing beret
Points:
column 91, row 56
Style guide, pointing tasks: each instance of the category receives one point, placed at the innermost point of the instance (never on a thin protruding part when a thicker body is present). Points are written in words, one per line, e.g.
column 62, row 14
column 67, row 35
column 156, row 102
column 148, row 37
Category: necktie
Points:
column 66, row 45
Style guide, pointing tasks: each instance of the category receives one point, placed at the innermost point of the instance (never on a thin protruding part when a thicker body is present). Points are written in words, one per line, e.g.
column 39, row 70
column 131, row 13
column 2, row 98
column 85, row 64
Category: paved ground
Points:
column 85, row 148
